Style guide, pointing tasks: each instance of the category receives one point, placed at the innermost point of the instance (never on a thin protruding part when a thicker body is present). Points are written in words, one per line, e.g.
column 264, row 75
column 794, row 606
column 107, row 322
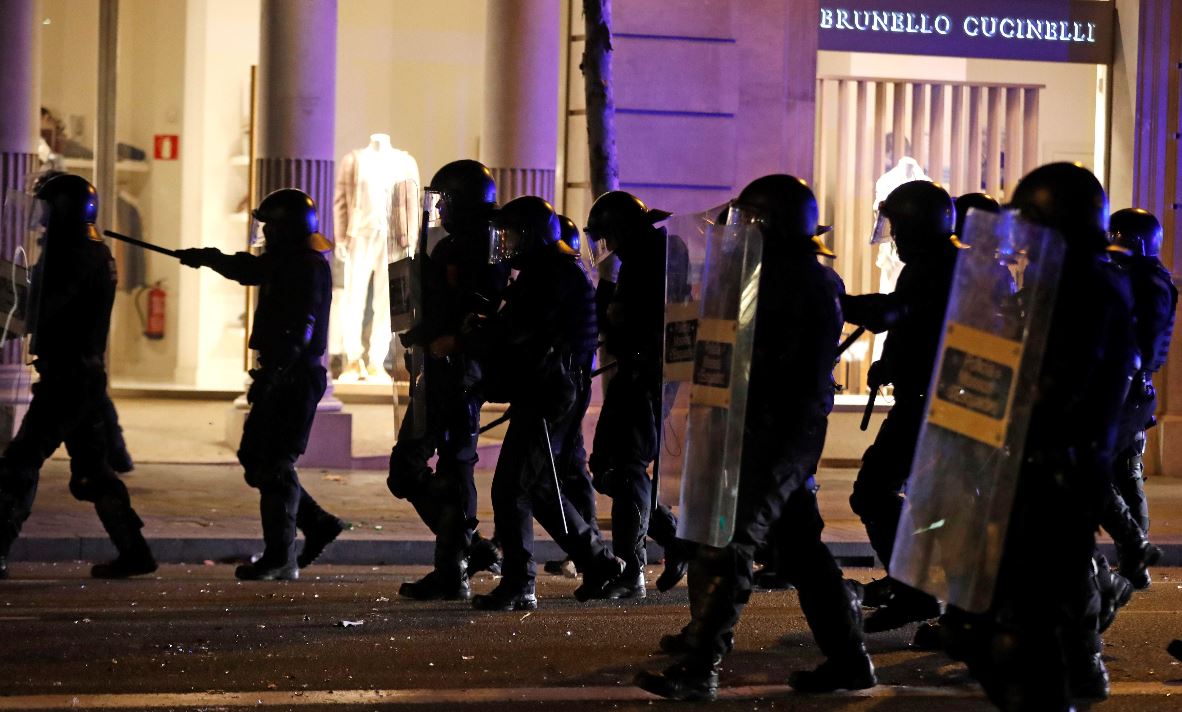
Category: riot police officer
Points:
column 537, row 352
column 790, row 394
column 1138, row 236
column 576, row 478
column 73, row 290
column 1039, row 646
column 627, row 435
column 920, row 217
column 290, row 335
column 459, row 281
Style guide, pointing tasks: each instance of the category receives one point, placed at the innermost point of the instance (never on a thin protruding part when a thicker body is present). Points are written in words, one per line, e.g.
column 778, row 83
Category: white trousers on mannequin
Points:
column 365, row 263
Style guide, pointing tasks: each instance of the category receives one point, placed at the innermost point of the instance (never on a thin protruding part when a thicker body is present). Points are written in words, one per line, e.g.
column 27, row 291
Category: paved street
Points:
column 194, row 638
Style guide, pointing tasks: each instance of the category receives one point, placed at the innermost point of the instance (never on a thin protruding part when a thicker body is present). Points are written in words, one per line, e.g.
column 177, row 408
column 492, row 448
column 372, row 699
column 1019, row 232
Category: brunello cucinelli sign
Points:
column 1038, row 30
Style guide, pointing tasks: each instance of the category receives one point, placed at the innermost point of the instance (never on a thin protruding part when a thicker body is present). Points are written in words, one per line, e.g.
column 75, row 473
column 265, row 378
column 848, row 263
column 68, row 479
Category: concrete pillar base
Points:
column 517, row 182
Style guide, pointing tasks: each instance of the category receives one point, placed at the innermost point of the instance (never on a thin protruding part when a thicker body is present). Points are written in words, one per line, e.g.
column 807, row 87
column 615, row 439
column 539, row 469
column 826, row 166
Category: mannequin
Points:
column 376, row 212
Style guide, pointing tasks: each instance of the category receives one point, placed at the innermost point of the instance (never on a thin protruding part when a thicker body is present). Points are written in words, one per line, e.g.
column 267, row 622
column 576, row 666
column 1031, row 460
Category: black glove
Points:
column 198, row 256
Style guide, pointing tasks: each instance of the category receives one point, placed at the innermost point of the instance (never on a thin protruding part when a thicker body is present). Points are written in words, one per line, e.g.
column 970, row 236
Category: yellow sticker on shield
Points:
column 976, row 379
column 713, row 360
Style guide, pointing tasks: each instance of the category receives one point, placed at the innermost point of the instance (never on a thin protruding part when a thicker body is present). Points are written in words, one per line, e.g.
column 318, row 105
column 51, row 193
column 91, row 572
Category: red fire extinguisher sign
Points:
column 168, row 147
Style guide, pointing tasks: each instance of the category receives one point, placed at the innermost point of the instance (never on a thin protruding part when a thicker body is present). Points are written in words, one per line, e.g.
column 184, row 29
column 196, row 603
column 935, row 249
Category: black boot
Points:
column 1115, row 592
column 1088, row 679
column 692, row 679
column 855, row 672
column 436, row 586
column 123, row 526
column 662, row 528
column 277, row 510
column 261, row 570
column 484, row 555
column 875, row 593
column 1135, row 560
column 318, row 537
column 597, row 578
column 625, row 586
column 906, row 605
column 561, row 567
column 507, row 596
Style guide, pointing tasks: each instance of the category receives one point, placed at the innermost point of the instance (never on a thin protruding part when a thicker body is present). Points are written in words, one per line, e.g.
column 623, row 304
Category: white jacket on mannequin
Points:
column 375, row 211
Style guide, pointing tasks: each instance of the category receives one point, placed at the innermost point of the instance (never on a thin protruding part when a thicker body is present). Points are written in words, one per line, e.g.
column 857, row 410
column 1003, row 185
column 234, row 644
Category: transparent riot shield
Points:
column 407, row 277
column 685, row 255
column 961, row 489
column 723, row 341
column 22, row 224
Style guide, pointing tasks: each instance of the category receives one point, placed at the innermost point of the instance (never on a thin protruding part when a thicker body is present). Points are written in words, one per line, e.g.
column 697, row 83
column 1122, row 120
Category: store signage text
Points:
column 1058, row 30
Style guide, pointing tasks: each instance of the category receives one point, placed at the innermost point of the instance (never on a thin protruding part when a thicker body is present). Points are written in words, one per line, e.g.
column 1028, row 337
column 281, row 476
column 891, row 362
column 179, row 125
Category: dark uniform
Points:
column 538, row 352
column 627, row 434
column 790, row 395
column 1041, row 646
column 74, row 284
column 460, row 281
column 1155, row 300
column 290, row 335
column 923, row 217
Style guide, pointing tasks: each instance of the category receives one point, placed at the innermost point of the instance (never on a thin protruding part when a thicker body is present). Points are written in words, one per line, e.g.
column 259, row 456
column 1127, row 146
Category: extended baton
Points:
column 849, row 341
column 140, row 243
column 869, row 409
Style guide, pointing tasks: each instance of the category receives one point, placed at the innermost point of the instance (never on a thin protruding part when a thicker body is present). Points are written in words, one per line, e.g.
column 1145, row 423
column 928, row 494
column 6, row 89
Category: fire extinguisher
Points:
column 154, row 317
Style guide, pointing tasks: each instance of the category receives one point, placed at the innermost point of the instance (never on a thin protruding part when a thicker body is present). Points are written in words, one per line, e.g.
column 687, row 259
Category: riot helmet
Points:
column 919, row 216
column 522, row 228
column 614, row 216
column 570, row 233
column 1136, row 231
column 286, row 218
column 1066, row 197
column 973, row 201
column 467, row 188
column 65, row 202
column 787, row 210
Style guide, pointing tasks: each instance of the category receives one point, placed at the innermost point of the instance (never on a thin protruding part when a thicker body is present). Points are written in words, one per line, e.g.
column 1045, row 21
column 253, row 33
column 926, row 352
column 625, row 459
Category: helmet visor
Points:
column 883, row 231
column 597, row 246
column 504, row 243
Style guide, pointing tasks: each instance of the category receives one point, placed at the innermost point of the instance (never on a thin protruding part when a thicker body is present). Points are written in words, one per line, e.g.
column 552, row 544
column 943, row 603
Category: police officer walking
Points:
column 73, row 290
column 627, row 434
column 537, row 352
column 920, row 217
column 1039, row 647
column 1138, row 236
column 290, row 335
column 790, row 394
column 459, row 281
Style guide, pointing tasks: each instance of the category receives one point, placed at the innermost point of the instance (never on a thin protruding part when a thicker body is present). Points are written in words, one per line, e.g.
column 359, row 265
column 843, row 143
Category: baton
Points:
column 140, row 243
column 554, row 469
column 603, row 368
column 849, row 341
column 869, row 409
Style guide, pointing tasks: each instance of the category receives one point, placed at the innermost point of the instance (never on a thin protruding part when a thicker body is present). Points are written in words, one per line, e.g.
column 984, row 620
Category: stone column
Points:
column 296, row 119
column 20, row 93
column 1157, row 187
column 520, row 137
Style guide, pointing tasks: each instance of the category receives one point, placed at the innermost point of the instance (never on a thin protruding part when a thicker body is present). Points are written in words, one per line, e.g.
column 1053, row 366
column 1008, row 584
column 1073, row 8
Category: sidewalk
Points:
column 205, row 512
